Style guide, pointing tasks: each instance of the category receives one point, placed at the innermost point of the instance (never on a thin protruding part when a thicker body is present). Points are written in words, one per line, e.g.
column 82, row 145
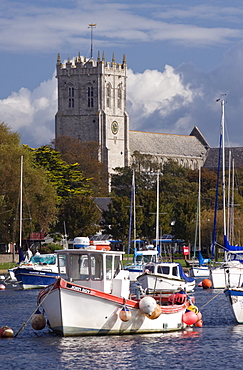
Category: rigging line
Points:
column 210, row 300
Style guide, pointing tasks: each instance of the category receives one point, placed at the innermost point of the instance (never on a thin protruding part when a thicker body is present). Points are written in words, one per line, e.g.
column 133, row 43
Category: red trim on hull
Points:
column 61, row 283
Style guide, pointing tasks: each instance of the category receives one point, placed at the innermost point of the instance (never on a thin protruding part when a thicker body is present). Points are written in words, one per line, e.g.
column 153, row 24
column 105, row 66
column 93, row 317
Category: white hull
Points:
column 155, row 282
column 75, row 310
column 235, row 296
column 226, row 277
column 203, row 271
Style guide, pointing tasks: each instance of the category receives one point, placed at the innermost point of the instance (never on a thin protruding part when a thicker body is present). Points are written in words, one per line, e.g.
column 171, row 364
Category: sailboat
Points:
column 199, row 266
column 41, row 270
column 230, row 273
column 140, row 257
column 164, row 276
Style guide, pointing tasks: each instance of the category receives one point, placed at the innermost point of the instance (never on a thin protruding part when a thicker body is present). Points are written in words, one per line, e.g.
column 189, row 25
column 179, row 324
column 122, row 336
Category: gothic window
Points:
column 90, row 96
column 119, row 96
column 108, row 96
column 71, row 97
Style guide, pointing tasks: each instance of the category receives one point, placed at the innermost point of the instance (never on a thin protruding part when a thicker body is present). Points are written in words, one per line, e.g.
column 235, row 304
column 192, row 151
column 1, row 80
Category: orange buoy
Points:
column 199, row 323
column 199, row 316
column 2, row 287
column 189, row 317
column 156, row 313
column 206, row 284
column 125, row 314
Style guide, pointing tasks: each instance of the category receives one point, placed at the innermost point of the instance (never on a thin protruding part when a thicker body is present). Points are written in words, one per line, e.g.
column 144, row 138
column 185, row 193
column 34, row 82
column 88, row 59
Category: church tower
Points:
column 92, row 106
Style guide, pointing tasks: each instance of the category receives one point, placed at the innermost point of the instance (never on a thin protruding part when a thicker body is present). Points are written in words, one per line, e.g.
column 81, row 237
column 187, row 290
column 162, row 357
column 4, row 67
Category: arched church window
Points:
column 90, row 96
column 108, row 95
column 71, row 97
column 119, row 96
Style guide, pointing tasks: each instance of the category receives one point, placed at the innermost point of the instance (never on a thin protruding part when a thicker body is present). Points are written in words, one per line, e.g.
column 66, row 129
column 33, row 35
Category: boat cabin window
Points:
column 62, row 258
column 149, row 268
column 86, row 267
column 164, row 270
column 174, row 271
column 96, row 267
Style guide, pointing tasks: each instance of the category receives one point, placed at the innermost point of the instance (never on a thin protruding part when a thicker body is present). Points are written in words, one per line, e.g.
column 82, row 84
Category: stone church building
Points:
column 92, row 107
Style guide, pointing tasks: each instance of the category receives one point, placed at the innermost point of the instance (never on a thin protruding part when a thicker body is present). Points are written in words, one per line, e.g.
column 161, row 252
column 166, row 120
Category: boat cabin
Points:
column 96, row 269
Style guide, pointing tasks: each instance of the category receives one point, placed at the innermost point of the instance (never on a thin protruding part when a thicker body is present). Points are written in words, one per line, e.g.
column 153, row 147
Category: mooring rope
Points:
column 25, row 323
column 210, row 301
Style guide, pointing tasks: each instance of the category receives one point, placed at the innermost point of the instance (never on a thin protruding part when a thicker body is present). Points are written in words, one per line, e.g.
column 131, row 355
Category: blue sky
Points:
column 181, row 57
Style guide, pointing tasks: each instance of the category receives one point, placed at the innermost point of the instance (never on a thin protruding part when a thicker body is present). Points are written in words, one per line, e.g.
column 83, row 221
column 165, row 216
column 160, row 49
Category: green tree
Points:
column 86, row 155
column 39, row 197
column 80, row 214
column 66, row 178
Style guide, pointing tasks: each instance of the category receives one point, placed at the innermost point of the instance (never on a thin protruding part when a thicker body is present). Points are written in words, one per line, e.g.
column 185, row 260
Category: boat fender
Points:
column 38, row 321
column 189, row 318
column 192, row 308
column 6, row 332
column 157, row 312
column 147, row 305
column 2, row 287
column 125, row 314
column 178, row 298
column 199, row 323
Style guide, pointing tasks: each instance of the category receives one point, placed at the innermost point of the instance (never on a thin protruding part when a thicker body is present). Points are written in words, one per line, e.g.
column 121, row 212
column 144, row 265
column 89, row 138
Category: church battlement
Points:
column 84, row 65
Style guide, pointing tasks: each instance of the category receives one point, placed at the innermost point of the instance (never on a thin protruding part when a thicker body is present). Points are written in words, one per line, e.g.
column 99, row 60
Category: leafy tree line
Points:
column 178, row 201
column 61, row 180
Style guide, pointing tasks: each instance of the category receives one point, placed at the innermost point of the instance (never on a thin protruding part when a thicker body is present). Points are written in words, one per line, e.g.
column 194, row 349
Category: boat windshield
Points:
column 43, row 259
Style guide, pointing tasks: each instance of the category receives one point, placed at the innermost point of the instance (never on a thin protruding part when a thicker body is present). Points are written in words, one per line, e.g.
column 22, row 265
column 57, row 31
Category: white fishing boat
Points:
column 235, row 298
column 165, row 276
column 93, row 298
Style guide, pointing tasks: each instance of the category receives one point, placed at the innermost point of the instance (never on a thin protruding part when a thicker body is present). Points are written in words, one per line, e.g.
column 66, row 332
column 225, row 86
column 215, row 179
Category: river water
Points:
column 217, row 345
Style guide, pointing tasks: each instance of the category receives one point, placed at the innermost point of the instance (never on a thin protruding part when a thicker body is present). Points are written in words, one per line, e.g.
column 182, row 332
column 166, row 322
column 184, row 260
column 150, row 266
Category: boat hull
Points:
column 34, row 279
column 202, row 271
column 161, row 282
column 235, row 297
column 226, row 277
column 73, row 310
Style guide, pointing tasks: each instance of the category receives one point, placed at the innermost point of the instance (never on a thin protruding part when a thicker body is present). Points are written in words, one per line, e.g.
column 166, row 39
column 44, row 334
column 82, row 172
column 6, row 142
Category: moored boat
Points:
column 39, row 272
column 235, row 298
column 164, row 276
column 93, row 297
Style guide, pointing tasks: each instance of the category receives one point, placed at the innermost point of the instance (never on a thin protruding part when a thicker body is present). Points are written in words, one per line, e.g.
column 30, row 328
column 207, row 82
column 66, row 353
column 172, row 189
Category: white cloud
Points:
column 172, row 101
column 32, row 112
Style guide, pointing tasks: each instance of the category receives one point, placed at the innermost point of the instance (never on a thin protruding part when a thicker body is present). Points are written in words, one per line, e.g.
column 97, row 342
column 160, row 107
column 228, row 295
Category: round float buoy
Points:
column 156, row 313
column 2, row 287
column 6, row 332
column 147, row 305
column 125, row 314
column 38, row 321
column 199, row 323
column 206, row 284
column 199, row 315
column 189, row 317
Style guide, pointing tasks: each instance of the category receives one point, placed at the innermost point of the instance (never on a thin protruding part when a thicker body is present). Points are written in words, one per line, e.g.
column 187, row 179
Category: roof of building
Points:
column 167, row 144
column 213, row 155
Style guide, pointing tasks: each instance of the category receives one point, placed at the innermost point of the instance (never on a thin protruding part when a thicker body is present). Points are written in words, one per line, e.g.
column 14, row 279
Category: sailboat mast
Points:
column 134, row 212
column 199, row 210
column 157, row 216
column 223, row 165
column 21, row 202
